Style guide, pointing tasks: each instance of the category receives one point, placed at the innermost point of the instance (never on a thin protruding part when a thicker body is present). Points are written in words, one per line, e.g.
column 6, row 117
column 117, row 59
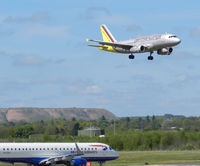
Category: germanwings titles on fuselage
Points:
column 162, row 43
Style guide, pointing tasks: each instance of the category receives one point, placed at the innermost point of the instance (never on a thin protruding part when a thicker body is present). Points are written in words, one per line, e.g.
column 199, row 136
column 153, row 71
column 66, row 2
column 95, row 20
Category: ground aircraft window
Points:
column 47, row 148
column 60, row 148
column 67, row 148
column 71, row 148
column 11, row 148
column 15, row 148
column 19, row 149
column 63, row 148
column 51, row 148
column 95, row 148
column 29, row 148
column 26, row 148
column 3, row 148
column 22, row 148
column 55, row 148
column 36, row 149
column 43, row 148
column 40, row 148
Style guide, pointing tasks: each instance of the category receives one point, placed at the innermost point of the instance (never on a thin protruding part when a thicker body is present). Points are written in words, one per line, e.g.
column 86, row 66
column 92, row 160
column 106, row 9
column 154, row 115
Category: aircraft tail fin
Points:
column 106, row 34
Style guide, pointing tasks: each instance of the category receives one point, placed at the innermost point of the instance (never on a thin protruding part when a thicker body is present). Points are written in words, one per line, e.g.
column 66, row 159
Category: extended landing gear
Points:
column 101, row 163
column 131, row 56
column 150, row 57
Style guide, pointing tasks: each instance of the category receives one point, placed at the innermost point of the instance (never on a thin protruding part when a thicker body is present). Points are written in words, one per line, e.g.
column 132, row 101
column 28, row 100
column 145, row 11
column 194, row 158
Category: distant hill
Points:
column 37, row 114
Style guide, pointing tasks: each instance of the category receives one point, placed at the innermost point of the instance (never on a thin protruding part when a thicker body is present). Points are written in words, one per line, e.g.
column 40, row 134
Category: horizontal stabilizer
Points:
column 114, row 44
column 97, row 46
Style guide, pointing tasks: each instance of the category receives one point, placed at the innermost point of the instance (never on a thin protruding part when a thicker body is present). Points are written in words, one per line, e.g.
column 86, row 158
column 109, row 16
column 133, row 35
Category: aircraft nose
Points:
column 116, row 155
column 178, row 40
column 175, row 41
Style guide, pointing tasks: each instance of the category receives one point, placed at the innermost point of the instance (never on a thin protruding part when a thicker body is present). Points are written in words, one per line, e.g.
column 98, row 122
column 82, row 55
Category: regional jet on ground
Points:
column 162, row 43
column 50, row 154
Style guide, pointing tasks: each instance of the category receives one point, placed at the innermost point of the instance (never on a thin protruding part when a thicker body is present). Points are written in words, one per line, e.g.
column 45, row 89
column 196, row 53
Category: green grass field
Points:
column 149, row 157
column 155, row 157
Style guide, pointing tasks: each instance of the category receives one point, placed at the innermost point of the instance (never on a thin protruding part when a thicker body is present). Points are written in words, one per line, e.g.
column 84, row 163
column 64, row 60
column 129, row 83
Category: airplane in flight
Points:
column 50, row 154
column 162, row 43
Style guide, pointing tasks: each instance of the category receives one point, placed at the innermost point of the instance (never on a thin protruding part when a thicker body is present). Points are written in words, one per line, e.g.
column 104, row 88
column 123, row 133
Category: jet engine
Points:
column 78, row 162
column 165, row 51
column 142, row 48
column 138, row 49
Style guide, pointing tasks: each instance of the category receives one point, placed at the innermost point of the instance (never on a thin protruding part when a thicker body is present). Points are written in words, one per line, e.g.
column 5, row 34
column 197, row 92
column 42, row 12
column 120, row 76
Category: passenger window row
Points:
column 6, row 149
column 88, row 148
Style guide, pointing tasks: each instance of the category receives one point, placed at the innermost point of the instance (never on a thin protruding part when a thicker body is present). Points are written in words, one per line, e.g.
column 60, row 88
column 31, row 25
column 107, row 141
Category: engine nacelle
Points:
column 142, row 48
column 138, row 49
column 78, row 162
column 165, row 51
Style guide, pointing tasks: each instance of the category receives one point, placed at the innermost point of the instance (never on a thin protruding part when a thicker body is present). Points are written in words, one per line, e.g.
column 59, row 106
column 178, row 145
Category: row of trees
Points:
column 155, row 140
column 141, row 133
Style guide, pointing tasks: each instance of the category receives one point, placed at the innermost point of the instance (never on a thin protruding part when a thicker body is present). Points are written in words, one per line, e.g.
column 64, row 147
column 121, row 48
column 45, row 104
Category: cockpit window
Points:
column 110, row 148
column 172, row 36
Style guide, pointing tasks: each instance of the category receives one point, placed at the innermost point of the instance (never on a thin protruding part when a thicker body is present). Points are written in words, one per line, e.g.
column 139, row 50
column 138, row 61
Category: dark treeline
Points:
column 138, row 133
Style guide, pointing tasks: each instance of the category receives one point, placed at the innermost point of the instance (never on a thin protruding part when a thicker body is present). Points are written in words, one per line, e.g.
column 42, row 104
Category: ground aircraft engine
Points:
column 78, row 162
column 165, row 51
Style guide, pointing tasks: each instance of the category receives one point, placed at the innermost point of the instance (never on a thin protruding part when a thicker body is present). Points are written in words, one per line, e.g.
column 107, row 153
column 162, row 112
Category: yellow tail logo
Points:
column 106, row 35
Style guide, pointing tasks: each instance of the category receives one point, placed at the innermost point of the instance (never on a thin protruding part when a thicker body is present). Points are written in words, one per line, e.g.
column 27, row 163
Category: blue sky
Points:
column 45, row 61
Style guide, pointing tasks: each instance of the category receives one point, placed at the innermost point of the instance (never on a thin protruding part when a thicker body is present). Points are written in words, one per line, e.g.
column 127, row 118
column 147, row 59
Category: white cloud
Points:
column 108, row 18
column 29, row 60
column 44, row 30
column 80, row 89
column 93, row 13
column 94, row 89
column 133, row 28
column 37, row 17
column 196, row 32
column 18, row 104
column 31, row 26
column 103, row 15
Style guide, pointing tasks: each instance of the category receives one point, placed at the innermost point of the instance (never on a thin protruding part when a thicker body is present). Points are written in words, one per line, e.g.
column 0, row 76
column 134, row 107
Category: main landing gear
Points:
column 131, row 56
column 101, row 163
column 150, row 57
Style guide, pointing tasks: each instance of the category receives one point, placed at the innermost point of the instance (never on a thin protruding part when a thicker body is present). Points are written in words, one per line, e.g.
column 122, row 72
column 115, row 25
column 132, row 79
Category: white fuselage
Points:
column 151, row 43
column 36, row 152
column 161, row 43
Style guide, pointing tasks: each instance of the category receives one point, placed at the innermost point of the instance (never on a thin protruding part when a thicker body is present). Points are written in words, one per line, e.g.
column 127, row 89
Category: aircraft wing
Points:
column 52, row 160
column 114, row 44
column 69, row 157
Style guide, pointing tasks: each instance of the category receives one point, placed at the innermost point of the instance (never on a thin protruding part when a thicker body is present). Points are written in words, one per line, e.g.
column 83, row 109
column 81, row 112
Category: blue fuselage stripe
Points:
column 36, row 160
